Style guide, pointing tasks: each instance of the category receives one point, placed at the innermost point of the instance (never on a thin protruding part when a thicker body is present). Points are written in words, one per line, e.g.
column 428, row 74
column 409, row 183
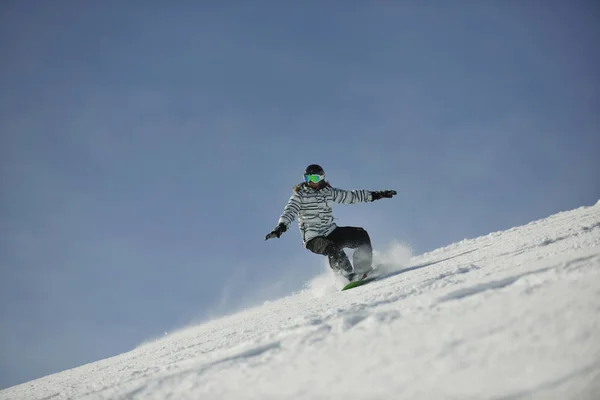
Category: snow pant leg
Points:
column 338, row 260
column 358, row 239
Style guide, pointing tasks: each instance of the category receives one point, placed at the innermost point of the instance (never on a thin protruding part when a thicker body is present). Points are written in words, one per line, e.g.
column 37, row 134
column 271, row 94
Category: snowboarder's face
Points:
column 314, row 180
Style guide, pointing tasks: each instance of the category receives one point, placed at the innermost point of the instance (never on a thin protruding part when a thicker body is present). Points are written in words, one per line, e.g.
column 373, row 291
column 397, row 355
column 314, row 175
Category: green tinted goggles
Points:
column 313, row 178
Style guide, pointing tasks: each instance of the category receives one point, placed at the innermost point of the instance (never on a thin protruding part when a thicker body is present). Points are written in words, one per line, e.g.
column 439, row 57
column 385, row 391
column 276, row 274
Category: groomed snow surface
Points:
column 510, row 315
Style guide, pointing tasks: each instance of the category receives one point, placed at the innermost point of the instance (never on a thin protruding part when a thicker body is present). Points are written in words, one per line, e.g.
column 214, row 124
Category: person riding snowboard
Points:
column 312, row 202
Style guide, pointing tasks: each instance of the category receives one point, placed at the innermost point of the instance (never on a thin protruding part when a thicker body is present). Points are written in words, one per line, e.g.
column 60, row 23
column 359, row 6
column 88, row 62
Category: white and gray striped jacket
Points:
column 314, row 208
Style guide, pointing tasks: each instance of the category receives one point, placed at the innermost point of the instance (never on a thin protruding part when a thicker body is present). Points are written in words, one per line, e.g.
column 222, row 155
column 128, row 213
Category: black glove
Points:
column 388, row 194
column 276, row 233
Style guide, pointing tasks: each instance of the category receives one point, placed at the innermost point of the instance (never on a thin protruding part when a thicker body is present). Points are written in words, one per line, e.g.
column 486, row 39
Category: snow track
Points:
column 510, row 315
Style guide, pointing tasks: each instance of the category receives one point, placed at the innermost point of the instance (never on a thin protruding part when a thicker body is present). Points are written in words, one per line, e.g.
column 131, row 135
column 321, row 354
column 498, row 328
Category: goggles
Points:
column 313, row 178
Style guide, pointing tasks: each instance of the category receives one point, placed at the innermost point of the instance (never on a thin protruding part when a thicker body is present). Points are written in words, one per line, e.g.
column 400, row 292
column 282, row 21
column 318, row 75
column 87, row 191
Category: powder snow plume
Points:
column 393, row 258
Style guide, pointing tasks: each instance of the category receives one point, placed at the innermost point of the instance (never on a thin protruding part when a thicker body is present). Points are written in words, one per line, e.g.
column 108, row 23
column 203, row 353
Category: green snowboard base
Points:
column 358, row 283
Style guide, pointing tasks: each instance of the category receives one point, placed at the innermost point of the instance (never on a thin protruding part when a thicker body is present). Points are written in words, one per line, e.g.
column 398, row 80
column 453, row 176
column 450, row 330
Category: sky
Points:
column 147, row 148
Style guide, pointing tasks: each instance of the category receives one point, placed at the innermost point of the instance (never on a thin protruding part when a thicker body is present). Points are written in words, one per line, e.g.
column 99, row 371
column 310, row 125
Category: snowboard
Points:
column 358, row 283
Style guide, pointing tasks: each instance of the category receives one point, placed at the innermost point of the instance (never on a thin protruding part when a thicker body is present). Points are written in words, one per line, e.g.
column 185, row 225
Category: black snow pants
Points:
column 333, row 246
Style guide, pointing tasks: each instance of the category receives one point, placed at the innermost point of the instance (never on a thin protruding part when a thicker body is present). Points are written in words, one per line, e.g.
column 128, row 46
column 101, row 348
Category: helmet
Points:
column 314, row 169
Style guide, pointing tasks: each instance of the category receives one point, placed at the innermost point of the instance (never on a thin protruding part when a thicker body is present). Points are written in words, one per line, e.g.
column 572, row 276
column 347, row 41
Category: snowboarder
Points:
column 312, row 202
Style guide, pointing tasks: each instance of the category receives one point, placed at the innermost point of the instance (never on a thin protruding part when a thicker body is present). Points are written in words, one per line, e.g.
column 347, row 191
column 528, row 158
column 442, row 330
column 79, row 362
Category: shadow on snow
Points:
column 415, row 267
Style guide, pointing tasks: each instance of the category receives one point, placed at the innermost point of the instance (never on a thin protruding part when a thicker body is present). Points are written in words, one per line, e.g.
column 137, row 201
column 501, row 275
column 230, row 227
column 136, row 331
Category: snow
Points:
column 512, row 314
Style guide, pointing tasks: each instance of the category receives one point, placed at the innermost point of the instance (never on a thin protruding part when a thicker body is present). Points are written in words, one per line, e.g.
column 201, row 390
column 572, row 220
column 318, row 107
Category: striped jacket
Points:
column 314, row 208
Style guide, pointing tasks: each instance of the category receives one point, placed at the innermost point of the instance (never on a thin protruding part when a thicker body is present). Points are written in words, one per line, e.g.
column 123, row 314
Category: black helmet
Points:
column 314, row 169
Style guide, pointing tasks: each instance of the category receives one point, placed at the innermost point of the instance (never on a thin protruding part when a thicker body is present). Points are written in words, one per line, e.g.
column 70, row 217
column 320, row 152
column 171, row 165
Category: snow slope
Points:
column 514, row 314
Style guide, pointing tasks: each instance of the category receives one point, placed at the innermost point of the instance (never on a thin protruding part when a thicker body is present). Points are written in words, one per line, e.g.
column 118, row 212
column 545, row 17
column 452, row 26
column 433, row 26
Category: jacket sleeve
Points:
column 291, row 210
column 351, row 196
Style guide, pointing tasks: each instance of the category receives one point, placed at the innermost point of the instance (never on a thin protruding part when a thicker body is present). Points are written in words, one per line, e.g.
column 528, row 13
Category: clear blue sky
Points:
column 148, row 147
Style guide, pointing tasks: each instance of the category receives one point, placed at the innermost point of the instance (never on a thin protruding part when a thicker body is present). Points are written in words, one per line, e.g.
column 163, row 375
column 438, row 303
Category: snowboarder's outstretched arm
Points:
column 290, row 212
column 360, row 196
